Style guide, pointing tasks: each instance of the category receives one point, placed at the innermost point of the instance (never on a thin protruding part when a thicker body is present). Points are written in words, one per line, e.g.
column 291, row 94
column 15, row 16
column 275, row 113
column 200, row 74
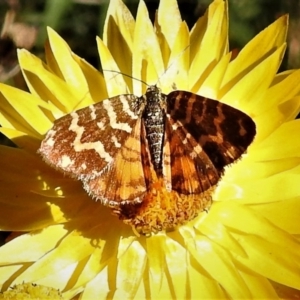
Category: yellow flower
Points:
column 248, row 240
column 31, row 291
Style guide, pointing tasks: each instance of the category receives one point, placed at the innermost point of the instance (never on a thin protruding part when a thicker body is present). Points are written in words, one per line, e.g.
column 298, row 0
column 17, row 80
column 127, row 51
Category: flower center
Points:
column 163, row 210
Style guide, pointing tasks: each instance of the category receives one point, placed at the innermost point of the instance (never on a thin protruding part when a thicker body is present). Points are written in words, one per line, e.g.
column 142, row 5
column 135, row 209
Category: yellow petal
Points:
column 261, row 46
column 21, row 139
column 145, row 50
column 259, row 286
column 212, row 82
column 243, row 221
column 284, row 87
column 268, row 260
column 200, row 285
column 115, row 82
column 92, row 267
column 24, row 111
column 95, row 81
column 284, row 214
column 173, row 250
column 59, row 280
column 247, row 96
column 8, row 272
column 134, row 258
column 72, row 249
column 263, row 191
column 46, row 85
column 99, row 287
column 274, row 117
column 156, row 261
column 179, row 61
column 211, row 49
column 118, row 34
column 218, row 233
column 169, row 22
column 289, row 147
column 217, row 262
column 32, row 185
column 30, row 247
column 69, row 68
column 251, row 169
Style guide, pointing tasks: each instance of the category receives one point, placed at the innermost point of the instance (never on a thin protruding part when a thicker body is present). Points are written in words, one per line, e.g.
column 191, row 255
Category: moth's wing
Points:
column 86, row 141
column 186, row 167
column 221, row 131
column 126, row 179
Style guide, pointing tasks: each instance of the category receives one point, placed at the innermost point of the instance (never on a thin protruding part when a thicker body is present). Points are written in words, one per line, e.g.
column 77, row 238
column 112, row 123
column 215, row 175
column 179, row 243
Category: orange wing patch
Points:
column 123, row 181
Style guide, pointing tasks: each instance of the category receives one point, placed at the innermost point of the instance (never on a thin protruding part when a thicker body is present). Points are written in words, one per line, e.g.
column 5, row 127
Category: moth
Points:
column 120, row 146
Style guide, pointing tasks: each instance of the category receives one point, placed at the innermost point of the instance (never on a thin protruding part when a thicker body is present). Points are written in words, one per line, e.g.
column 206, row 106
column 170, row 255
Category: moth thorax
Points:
column 154, row 120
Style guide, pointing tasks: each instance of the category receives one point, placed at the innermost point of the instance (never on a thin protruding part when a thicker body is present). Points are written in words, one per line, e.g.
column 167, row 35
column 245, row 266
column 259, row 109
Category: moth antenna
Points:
column 124, row 74
column 174, row 61
column 80, row 101
column 159, row 77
